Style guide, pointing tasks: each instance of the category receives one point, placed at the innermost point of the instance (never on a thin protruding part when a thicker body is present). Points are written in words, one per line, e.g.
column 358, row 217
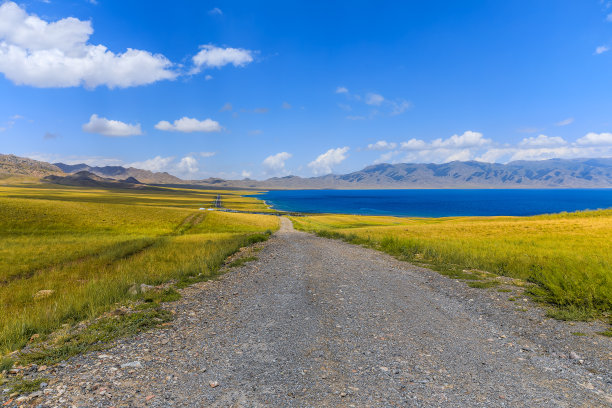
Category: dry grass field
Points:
column 70, row 253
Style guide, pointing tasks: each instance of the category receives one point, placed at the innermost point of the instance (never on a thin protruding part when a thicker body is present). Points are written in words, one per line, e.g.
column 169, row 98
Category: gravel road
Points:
column 321, row 323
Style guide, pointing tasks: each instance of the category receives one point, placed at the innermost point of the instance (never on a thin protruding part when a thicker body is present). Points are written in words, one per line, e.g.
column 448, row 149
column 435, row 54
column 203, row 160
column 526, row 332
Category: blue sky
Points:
column 259, row 89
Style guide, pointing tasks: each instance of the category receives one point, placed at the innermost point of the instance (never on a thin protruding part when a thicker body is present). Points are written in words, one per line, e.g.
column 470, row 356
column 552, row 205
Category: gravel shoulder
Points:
column 317, row 322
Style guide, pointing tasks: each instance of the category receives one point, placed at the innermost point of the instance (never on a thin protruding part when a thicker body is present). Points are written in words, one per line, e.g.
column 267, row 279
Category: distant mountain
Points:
column 88, row 179
column 20, row 166
column 554, row 173
column 119, row 172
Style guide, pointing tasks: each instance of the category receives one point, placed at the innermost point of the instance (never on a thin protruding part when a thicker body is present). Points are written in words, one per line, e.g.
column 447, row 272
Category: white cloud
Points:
column 341, row 90
column 324, row 162
column 245, row 174
column 565, row 122
column 286, row 105
column 211, row 56
column 382, row 145
column 57, row 54
column 276, row 162
column 188, row 165
column 227, row 107
column 113, row 128
column 413, row 144
column 467, row 139
column 189, row 125
column 158, row 163
column 609, row 17
column 374, row 99
column 601, row 49
column 595, row 139
column 215, row 12
column 356, row 117
column 542, row 141
column 208, row 77
column 207, row 154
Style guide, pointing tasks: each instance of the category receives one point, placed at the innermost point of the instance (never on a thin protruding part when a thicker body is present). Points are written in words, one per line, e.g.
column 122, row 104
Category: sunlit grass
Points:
column 68, row 254
column 567, row 256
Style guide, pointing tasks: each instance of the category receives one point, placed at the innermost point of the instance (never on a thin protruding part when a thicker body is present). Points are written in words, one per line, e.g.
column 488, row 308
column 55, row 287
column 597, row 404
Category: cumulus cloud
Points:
column 46, row 54
column 211, row 56
column 112, row 128
column 467, row 139
column 413, row 144
column 189, row 125
column 157, row 164
column 382, row 145
column 595, row 139
column 215, row 12
column 276, row 163
column 324, row 162
column 341, row 90
column 245, row 174
column 601, row 49
column 188, row 165
column 542, row 141
column 207, row 154
column 226, row 108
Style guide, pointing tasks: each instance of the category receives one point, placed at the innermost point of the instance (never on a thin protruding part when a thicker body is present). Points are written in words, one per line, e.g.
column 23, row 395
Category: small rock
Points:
column 149, row 397
column 385, row 369
column 43, row 385
column 42, row 368
column 133, row 290
column 132, row 364
column 574, row 356
column 213, row 384
column 343, row 394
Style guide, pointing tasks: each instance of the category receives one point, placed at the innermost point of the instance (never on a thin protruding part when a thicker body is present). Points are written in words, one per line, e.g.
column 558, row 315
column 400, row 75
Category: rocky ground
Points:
column 317, row 322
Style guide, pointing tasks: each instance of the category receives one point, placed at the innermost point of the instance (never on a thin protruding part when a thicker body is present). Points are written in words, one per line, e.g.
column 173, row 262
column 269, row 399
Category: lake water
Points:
column 439, row 203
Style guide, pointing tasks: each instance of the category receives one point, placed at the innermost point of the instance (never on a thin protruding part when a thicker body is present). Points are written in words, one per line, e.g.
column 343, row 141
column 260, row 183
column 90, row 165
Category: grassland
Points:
column 567, row 256
column 72, row 253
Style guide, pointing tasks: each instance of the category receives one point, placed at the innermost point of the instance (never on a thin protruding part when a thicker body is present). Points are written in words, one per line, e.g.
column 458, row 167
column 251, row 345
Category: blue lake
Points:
column 439, row 203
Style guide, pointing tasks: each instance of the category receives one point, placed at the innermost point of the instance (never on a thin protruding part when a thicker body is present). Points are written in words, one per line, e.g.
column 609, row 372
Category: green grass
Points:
column 566, row 257
column 26, row 386
column 69, row 254
column 241, row 261
column 97, row 336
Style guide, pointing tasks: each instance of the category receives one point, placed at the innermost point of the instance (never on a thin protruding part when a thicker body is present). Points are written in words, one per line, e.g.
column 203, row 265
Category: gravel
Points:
column 317, row 322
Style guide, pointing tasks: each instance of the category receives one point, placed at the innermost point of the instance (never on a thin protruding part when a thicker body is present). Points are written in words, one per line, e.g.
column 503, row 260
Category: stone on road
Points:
column 321, row 323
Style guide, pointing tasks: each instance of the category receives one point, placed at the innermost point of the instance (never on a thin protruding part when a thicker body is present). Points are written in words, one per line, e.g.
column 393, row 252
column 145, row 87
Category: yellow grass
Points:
column 69, row 253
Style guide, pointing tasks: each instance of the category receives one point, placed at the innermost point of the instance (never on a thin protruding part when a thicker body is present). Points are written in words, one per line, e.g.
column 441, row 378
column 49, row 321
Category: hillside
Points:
column 121, row 173
column 554, row 173
column 87, row 179
column 20, row 166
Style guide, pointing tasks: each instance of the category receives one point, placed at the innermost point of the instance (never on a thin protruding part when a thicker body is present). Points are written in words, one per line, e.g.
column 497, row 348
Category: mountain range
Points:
column 553, row 173
column 120, row 173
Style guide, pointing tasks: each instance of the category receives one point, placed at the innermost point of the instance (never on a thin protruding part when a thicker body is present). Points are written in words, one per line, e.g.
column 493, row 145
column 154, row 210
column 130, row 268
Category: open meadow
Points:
column 567, row 256
column 71, row 253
